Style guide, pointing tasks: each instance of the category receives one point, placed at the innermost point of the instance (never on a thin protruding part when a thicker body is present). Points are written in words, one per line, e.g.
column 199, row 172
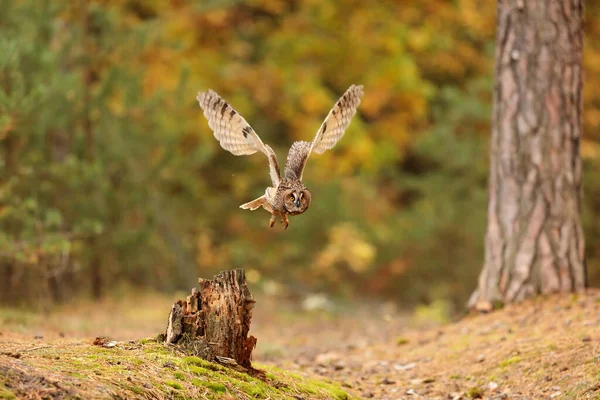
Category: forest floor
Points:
column 546, row 348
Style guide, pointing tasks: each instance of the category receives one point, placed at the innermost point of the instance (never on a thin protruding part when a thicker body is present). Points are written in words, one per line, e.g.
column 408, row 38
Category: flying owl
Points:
column 288, row 195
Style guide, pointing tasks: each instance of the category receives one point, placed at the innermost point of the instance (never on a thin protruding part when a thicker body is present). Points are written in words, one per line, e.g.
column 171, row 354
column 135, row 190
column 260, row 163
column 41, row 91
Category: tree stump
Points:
column 213, row 322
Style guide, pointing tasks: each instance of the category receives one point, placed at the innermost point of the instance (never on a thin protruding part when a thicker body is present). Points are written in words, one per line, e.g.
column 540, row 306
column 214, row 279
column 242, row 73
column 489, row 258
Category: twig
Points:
column 34, row 348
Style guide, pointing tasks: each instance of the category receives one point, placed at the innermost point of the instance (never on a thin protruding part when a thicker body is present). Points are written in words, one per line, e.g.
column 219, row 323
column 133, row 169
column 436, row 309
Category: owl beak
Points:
column 297, row 202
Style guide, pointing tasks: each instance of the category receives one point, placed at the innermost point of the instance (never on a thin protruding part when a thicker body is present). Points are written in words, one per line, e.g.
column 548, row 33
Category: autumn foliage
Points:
column 109, row 172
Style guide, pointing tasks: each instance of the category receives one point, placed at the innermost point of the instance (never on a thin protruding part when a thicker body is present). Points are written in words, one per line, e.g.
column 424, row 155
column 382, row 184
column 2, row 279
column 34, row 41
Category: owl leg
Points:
column 273, row 218
column 285, row 220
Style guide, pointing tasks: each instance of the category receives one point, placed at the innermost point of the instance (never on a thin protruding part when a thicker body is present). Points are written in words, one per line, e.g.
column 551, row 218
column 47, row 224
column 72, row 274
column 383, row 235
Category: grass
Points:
column 135, row 369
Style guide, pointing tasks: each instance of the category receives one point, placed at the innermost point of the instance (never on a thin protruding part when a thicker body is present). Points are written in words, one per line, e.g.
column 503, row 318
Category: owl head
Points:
column 296, row 201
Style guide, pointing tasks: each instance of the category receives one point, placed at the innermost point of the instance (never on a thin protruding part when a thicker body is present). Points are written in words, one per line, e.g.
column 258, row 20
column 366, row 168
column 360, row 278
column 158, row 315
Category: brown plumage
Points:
column 287, row 195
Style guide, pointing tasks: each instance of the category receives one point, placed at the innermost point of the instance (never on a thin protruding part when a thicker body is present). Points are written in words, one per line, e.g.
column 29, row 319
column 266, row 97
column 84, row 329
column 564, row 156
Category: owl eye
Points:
column 291, row 198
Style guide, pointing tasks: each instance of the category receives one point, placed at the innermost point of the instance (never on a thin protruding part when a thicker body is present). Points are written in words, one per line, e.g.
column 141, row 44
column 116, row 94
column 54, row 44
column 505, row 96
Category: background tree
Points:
column 107, row 166
column 534, row 241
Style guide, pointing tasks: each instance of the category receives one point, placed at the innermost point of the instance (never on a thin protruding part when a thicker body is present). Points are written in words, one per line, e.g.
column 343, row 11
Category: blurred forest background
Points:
column 111, row 178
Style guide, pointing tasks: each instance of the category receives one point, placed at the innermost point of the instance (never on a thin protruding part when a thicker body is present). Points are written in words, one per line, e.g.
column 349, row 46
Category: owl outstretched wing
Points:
column 233, row 132
column 330, row 132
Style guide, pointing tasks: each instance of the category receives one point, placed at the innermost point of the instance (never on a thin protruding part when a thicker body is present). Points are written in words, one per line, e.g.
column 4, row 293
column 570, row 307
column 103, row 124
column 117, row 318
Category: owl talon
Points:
column 272, row 221
column 285, row 220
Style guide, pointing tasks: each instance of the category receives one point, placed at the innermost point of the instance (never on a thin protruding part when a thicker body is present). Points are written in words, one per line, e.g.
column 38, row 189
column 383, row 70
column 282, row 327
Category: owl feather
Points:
column 330, row 132
column 233, row 132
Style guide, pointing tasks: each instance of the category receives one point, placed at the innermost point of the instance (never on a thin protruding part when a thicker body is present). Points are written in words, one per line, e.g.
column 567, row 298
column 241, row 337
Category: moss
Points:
column 136, row 389
column 192, row 360
column 201, row 371
column 157, row 350
column 214, row 386
column 509, row 361
column 6, row 394
column 270, row 376
column 174, row 385
column 475, row 392
column 179, row 375
column 335, row 391
column 256, row 390
column 401, row 340
column 304, row 386
column 100, row 370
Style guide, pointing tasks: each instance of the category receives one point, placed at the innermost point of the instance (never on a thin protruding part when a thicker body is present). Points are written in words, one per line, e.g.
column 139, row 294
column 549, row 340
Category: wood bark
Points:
column 213, row 322
column 534, row 241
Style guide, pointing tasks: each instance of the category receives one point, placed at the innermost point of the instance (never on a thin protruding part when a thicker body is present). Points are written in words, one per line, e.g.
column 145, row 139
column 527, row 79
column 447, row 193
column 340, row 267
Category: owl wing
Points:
column 233, row 132
column 330, row 132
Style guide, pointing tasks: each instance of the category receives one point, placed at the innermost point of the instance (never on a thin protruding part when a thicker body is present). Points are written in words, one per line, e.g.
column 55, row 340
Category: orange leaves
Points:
column 316, row 102
column 346, row 245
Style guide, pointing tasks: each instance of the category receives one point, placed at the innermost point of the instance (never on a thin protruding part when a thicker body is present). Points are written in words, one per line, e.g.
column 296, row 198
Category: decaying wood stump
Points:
column 213, row 322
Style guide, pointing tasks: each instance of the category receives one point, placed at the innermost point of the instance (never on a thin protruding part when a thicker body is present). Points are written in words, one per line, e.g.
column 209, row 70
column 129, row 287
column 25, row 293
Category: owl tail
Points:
column 256, row 203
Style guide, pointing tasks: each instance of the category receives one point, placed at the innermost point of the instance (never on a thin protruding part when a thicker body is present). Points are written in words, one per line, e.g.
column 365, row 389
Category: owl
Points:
column 287, row 196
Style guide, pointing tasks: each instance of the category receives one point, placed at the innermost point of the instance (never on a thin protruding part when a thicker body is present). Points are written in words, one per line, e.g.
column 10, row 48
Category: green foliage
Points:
column 110, row 173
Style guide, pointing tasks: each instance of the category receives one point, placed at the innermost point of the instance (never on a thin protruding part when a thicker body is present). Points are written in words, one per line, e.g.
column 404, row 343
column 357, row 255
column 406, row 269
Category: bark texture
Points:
column 534, row 241
column 213, row 322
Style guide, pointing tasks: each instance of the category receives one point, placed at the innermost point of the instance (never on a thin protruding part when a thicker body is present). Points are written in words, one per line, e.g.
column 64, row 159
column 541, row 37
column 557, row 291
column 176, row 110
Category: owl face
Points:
column 296, row 201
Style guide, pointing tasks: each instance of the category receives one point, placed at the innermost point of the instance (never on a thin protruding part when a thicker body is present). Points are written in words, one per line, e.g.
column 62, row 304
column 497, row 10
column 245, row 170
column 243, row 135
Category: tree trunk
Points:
column 213, row 323
column 534, row 241
column 95, row 266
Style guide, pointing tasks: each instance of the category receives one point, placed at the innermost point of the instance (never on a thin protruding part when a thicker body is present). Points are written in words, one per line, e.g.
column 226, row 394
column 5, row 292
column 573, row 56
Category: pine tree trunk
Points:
column 534, row 241
column 214, row 322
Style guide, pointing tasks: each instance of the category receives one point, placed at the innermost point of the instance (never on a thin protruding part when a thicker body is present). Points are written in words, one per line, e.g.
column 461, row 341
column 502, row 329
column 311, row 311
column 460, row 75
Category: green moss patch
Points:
column 149, row 369
column 509, row 361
